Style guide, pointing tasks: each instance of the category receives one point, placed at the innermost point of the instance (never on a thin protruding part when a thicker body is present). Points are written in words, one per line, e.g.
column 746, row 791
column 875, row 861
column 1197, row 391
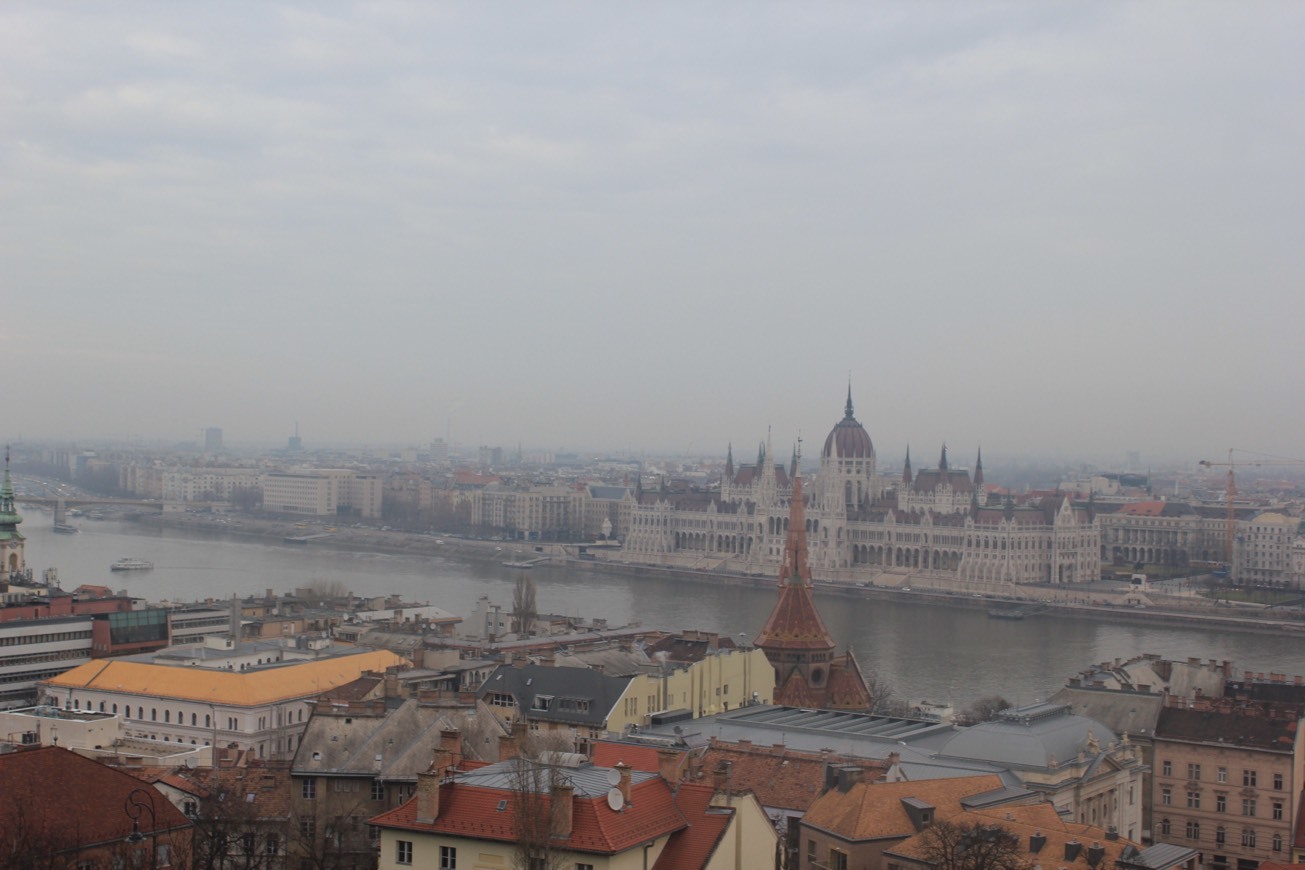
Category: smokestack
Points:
column 624, row 785
column 451, row 742
column 668, row 765
column 428, row 797
column 562, row 809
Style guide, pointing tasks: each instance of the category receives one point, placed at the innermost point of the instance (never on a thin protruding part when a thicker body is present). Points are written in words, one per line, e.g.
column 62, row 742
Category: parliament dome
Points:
column 848, row 439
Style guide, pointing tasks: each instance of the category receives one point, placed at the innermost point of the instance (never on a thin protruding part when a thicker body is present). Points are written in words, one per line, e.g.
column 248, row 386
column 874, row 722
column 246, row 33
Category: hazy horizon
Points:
column 1044, row 230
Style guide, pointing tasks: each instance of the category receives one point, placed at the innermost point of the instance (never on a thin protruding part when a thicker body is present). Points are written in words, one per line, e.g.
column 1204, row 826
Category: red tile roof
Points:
column 59, row 798
column 607, row 753
column 472, row 811
column 1144, row 509
column 691, row 847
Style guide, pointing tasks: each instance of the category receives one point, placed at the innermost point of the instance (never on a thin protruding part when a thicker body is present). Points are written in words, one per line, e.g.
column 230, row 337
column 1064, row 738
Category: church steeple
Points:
column 729, row 462
column 793, row 465
column 906, row 469
column 12, row 559
column 978, row 470
column 942, row 460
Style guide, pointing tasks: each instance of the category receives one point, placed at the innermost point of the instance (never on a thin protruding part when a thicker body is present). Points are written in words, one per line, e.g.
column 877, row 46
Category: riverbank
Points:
column 1100, row 601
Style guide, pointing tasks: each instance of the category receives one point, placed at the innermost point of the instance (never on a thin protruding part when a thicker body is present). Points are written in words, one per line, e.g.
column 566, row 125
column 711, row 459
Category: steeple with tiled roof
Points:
column 795, row 639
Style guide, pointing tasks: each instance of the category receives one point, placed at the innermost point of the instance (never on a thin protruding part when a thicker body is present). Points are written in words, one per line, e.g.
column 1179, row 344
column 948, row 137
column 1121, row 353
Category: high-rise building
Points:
column 212, row 439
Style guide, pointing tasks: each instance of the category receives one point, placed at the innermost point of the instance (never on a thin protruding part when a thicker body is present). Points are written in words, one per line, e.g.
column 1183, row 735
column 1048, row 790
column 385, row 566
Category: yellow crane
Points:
column 1230, row 498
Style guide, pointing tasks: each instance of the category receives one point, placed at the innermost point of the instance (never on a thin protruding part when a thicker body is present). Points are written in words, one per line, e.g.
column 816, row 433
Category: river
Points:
column 921, row 649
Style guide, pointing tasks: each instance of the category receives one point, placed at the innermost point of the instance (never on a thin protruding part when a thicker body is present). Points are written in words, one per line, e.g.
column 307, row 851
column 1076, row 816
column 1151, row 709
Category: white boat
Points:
column 131, row 565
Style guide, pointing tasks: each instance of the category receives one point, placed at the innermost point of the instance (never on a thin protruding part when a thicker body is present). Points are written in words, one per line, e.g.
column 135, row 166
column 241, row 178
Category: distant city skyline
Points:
column 1067, row 230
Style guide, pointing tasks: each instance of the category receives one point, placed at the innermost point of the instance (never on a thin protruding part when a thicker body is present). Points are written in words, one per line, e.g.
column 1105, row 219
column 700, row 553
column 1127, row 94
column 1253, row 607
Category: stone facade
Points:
column 860, row 524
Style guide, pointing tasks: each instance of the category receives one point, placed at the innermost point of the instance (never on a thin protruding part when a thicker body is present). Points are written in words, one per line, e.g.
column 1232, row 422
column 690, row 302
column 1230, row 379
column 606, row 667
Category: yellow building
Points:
column 261, row 705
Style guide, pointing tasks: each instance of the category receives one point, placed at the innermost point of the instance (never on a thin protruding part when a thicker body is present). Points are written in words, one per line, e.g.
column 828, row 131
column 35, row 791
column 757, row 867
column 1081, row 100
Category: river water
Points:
column 921, row 649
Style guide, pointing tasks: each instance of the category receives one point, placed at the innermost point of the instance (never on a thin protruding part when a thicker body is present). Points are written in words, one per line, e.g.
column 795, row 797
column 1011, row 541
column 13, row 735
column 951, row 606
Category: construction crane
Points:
column 1230, row 498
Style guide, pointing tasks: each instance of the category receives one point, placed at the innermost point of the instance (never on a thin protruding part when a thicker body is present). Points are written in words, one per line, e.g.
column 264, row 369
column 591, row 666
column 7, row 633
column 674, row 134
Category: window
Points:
column 1277, row 810
column 1166, row 796
column 1193, row 830
column 246, row 844
column 272, row 845
column 1166, row 768
column 308, row 790
column 1277, row 782
column 403, row 852
column 448, row 858
column 584, row 867
column 1164, row 827
column 1221, row 774
column 378, row 790
column 837, row 860
column 1248, row 837
column 1221, row 803
column 190, row 808
column 1277, row 842
column 1248, row 778
column 1248, row 806
column 1220, row 835
column 1193, row 771
column 1193, row 800
column 308, row 828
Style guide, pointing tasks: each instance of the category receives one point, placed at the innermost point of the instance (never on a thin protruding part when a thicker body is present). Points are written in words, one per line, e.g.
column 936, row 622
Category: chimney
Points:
column 668, row 766
column 848, row 776
column 563, row 792
column 1036, row 842
column 428, row 797
column 624, row 785
column 390, row 683
column 451, row 742
column 1095, row 854
column 1112, row 833
column 1072, row 849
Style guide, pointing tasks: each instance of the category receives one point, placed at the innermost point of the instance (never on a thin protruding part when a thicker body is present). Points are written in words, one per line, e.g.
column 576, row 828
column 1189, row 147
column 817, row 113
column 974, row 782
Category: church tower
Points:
column 795, row 639
column 12, row 557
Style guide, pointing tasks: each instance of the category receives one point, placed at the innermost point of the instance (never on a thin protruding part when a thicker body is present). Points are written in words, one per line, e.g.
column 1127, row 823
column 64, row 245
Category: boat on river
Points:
column 132, row 564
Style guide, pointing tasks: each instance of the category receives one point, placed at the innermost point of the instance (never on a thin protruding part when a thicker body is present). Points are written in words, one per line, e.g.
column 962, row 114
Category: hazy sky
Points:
column 660, row 226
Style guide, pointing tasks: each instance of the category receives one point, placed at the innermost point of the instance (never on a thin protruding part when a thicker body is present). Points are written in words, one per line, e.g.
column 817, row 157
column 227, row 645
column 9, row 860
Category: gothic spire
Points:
column 729, row 462
column 906, row 470
column 978, row 470
column 942, row 460
column 847, row 411
column 8, row 513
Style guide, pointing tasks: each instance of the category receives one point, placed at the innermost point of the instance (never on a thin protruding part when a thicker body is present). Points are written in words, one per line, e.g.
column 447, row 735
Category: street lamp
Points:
column 140, row 800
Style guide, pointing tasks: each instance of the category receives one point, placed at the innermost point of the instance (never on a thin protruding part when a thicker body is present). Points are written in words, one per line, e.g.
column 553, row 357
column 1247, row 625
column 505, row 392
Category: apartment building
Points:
column 1227, row 779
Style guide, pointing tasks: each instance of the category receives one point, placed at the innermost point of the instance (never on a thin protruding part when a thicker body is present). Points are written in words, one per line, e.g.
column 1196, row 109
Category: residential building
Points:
column 322, row 492
column 1228, row 779
column 358, row 759
column 1033, row 834
column 854, row 824
column 573, row 814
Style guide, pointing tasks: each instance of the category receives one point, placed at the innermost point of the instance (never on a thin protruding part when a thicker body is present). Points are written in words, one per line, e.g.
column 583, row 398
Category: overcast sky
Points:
column 1035, row 227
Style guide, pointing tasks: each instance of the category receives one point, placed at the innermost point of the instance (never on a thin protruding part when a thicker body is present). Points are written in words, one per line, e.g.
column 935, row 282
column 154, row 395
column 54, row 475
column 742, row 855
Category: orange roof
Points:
column 1144, row 509
column 872, row 811
column 238, row 688
column 472, row 811
column 691, row 847
column 781, row 777
column 1025, row 821
column 607, row 753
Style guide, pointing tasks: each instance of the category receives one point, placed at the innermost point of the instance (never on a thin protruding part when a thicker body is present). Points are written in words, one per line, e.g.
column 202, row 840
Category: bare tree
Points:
column 952, row 846
column 524, row 609
column 537, row 814
column 983, row 710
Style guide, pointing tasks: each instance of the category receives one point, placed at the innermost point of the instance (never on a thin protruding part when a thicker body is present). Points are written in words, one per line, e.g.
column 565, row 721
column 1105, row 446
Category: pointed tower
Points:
column 978, row 470
column 793, row 464
column 906, row 469
column 729, row 461
column 12, row 556
column 942, row 460
column 795, row 639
